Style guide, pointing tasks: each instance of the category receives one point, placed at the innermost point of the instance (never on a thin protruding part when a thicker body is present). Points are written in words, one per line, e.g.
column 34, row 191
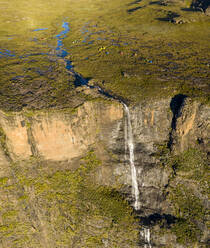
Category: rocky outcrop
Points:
column 57, row 135
column 162, row 131
column 147, row 120
column 207, row 11
column 192, row 126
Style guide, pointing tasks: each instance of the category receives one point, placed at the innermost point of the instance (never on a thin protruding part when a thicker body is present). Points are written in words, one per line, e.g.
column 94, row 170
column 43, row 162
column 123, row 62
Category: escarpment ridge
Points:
column 167, row 161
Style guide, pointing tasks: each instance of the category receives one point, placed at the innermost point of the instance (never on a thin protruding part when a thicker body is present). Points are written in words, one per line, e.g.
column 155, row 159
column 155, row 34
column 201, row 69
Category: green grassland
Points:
column 135, row 50
column 44, row 206
column 145, row 53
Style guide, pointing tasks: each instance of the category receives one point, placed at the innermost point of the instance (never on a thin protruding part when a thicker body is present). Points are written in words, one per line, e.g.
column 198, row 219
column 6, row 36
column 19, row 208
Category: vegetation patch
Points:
column 187, row 189
column 192, row 165
column 135, row 54
column 3, row 141
column 69, row 204
column 189, row 210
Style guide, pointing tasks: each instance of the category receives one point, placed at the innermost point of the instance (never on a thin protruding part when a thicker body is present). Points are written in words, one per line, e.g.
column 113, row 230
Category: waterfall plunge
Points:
column 129, row 144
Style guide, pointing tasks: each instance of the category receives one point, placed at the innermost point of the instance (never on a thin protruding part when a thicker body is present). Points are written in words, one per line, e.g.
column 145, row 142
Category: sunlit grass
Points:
column 131, row 49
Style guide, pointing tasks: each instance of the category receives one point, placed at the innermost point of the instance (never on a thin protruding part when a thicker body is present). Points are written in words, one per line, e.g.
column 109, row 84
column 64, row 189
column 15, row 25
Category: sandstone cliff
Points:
column 52, row 195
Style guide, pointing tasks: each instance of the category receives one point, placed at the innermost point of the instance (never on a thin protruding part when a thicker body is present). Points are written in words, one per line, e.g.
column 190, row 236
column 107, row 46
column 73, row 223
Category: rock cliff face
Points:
column 168, row 135
column 57, row 135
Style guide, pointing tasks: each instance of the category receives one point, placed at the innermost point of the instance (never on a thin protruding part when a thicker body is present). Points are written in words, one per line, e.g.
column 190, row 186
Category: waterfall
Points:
column 126, row 138
column 129, row 144
column 145, row 234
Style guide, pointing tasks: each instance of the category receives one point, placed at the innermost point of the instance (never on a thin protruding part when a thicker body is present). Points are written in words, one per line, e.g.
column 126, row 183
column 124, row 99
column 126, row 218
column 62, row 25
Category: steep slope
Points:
column 42, row 166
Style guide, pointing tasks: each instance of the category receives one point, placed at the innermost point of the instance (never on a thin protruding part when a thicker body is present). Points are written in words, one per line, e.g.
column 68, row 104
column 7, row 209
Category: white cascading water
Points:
column 130, row 145
column 145, row 233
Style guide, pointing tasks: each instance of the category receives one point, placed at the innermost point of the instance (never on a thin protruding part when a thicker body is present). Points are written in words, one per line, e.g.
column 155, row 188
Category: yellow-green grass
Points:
column 137, row 50
column 41, row 203
column 161, row 58
column 187, row 192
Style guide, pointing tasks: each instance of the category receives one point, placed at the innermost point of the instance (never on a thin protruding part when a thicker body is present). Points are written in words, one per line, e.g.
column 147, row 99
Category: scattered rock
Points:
column 207, row 11
column 181, row 20
column 125, row 74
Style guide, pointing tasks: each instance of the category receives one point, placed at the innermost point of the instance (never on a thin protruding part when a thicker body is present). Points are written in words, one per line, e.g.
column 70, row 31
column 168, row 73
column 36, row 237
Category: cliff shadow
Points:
column 190, row 9
column 129, row 11
column 165, row 219
column 169, row 18
column 175, row 106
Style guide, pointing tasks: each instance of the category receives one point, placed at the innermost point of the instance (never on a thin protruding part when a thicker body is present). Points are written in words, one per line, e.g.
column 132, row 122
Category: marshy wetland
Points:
column 133, row 49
